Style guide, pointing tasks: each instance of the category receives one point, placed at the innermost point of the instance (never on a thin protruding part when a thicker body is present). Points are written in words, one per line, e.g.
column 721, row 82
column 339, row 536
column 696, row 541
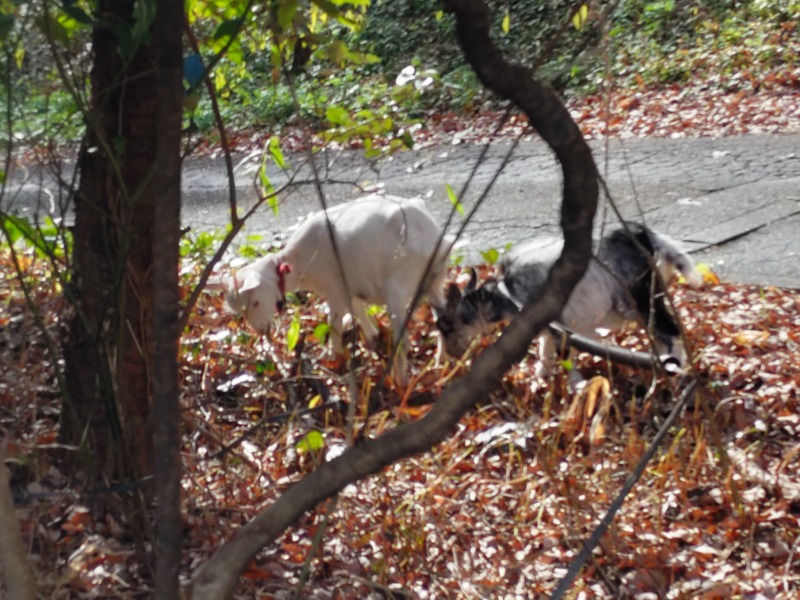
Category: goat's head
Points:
column 470, row 314
column 257, row 292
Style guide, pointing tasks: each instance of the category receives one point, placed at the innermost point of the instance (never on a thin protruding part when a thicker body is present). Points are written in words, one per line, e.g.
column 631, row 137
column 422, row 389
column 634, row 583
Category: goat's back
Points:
column 617, row 284
column 379, row 240
column 592, row 300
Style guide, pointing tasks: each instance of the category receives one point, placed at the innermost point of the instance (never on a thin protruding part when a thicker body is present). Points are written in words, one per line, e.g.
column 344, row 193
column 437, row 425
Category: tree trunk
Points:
column 110, row 336
column 166, row 334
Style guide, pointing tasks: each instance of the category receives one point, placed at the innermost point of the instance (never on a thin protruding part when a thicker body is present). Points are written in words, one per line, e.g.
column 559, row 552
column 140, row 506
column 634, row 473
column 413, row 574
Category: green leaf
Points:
column 275, row 151
column 227, row 28
column 293, row 333
column 144, row 13
column 490, row 256
column 337, row 52
column 19, row 56
column 267, row 189
column 11, row 229
column 52, row 29
column 77, row 13
column 454, row 199
column 273, row 204
column 45, row 239
column 579, row 17
column 321, row 332
column 361, row 58
column 337, row 115
column 265, row 366
column 313, row 441
column 506, row 25
column 286, row 12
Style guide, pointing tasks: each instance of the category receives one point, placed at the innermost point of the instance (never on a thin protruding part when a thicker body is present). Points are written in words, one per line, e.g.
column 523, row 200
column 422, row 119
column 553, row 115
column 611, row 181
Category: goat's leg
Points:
column 441, row 351
column 658, row 319
column 336, row 323
column 365, row 321
column 397, row 317
column 437, row 300
column 547, row 354
column 666, row 333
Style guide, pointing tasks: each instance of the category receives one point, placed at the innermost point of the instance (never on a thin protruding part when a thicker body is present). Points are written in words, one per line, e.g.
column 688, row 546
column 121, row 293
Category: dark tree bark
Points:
column 110, row 337
column 166, row 333
column 217, row 578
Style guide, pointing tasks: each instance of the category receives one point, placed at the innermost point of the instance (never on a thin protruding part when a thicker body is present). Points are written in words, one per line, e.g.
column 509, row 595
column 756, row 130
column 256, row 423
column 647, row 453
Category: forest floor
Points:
column 498, row 509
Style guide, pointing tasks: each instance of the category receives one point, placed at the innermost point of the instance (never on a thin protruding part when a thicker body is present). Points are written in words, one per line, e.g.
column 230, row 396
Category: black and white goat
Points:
column 384, row 245
column 619, row 286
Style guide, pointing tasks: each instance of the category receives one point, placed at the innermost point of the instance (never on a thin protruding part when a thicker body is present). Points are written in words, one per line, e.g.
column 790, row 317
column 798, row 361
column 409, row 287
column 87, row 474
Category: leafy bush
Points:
column 350, row 55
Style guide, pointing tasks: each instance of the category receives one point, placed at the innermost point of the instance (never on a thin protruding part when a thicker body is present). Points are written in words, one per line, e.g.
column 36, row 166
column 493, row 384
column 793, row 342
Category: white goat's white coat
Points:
column 384, row 244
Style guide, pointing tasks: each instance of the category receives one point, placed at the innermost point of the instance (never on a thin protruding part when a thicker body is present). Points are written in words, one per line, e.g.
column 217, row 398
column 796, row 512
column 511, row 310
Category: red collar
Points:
column 282, row 269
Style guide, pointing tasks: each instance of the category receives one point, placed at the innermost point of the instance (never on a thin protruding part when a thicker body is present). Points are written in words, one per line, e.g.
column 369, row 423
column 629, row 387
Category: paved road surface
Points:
column 735, row 201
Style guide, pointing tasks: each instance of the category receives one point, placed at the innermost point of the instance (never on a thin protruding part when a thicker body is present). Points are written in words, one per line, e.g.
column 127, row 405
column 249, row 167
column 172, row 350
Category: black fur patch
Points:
column 626, row 261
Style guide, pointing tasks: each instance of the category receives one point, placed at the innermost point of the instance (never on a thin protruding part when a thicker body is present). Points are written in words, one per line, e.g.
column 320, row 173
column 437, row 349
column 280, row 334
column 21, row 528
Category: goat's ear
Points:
column 453, row 299
column 250, row 282
column 473, row 281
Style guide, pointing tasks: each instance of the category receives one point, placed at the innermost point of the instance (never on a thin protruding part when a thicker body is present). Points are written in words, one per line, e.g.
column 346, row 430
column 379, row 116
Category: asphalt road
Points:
column 734, row 201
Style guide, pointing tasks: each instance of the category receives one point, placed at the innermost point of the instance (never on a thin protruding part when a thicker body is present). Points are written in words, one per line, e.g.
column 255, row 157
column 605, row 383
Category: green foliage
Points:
column 272, row 149
column 293, row 333
column 265, row 366
column 321, row 332
column 490, row 256
column 661, row 42
column 200, row 245
column 349, row 61
column 451, row 195
column 311, row 442
column 401, row 33
column 48, row 239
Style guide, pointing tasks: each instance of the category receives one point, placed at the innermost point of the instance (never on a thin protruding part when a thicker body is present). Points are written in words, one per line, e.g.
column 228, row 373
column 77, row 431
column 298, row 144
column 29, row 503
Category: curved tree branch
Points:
column 217, row 578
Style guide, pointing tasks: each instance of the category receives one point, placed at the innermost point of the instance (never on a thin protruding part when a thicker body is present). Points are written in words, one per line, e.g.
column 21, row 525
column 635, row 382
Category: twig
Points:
column 577, row 563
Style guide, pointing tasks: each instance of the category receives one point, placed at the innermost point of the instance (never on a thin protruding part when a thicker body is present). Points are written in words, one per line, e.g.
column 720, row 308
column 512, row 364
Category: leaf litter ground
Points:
column 500, row 507
column 676, row 111
column 496, row 510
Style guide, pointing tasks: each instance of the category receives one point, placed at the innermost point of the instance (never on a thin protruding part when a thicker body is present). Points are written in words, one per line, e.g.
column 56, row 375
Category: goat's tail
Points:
column 669, row 254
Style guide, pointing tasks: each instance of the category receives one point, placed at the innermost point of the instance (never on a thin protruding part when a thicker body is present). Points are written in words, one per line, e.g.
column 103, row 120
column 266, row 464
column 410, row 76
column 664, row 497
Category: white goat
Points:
column 384, row 244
